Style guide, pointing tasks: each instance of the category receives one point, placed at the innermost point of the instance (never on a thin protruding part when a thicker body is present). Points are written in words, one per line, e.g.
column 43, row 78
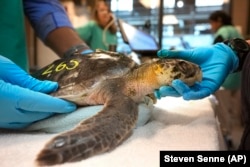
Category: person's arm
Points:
column 216, row 63
column 52, row 25
column 62, row 39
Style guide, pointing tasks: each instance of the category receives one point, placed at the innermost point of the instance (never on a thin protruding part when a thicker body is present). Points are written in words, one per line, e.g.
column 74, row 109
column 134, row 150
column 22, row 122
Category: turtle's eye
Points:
column 188, row 69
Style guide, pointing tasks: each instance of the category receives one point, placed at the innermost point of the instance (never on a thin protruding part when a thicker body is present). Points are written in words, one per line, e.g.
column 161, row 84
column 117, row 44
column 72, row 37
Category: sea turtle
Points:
column 111, row 79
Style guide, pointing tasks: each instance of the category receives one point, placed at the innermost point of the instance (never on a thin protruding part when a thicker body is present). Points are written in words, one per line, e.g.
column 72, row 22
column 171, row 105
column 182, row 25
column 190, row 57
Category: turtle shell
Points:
column 79, row 73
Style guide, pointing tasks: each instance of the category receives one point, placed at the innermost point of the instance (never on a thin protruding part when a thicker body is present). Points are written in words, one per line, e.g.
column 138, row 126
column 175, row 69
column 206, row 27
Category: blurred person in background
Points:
column 100, row 31
column 222, row 27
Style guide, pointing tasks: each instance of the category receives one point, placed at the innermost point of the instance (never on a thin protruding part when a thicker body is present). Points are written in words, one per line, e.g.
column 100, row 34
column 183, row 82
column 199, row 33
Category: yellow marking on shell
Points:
column 49, row 70
column 71, row 65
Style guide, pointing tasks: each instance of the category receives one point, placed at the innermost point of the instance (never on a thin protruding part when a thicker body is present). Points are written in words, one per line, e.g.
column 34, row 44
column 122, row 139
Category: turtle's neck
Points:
column 140, row 82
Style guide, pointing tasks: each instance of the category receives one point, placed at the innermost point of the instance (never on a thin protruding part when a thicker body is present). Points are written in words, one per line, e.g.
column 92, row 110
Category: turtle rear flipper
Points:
column 98, row 134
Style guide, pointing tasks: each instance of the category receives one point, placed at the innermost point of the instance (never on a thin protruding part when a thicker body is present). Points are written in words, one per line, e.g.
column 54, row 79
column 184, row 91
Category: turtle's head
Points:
column 169, row 69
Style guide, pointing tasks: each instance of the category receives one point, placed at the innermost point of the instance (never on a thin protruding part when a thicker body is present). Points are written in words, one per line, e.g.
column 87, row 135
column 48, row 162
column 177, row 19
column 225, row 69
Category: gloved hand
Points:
column 87, row 51
column 216, row 63
column 23, row 99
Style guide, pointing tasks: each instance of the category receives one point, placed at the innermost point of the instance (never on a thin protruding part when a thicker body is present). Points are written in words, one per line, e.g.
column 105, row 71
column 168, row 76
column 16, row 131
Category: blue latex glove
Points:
column 216, row 63
column 23, row 99
column 87, row 51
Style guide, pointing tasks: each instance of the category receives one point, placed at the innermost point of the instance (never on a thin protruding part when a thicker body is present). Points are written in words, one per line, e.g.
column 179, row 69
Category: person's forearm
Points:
column 62, row 39
column 52, row 24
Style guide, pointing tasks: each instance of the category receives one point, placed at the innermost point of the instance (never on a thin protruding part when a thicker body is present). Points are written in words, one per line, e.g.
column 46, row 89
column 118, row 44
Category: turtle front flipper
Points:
column 98, row 134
